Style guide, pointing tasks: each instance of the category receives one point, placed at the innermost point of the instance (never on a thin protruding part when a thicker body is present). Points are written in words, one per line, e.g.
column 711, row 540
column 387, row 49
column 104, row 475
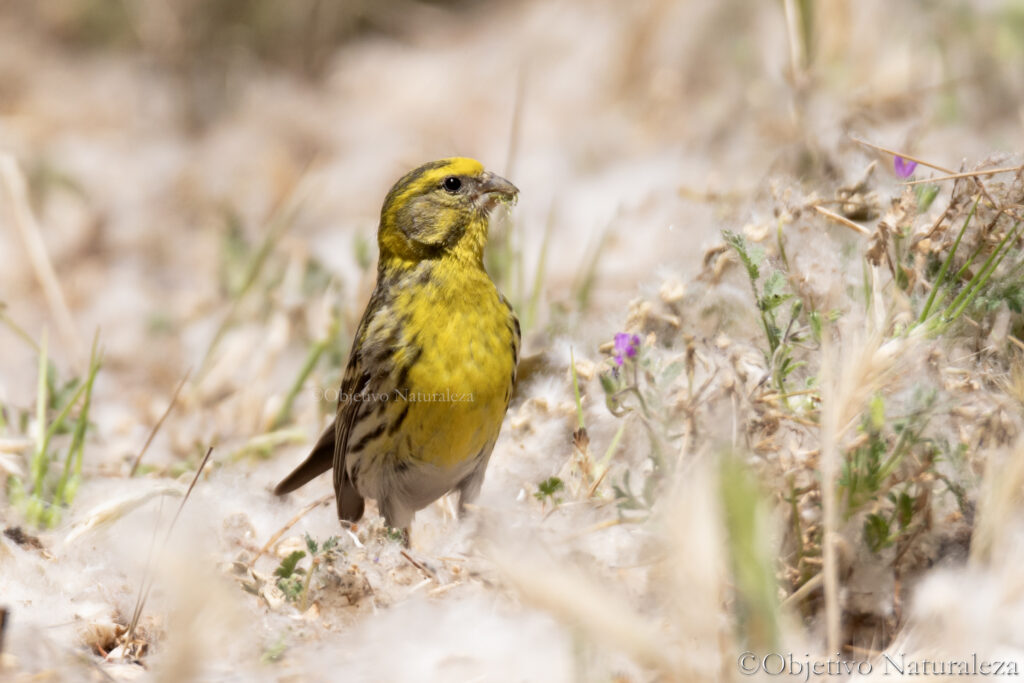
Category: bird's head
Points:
column 441, row 208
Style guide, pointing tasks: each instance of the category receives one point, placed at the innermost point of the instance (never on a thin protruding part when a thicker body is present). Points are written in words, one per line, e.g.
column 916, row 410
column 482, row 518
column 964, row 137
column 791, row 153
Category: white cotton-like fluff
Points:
column 635, row 134
column 451, row 640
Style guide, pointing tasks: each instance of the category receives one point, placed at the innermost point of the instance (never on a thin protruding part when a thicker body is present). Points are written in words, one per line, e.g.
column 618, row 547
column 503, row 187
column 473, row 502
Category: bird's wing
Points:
column 369, row 367
column 326, row 453
column 349, row 501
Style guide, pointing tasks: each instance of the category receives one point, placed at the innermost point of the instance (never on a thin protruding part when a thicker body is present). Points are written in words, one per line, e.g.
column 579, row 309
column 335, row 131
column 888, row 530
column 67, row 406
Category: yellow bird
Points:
column 434, row 360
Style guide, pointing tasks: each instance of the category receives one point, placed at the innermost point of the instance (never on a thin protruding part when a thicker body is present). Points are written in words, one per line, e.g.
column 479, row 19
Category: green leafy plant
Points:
column 290, row 576
column 628, row 500
column 548, row 489
column 639, row 386
column 926, row 194
column 873, row 474
column 275, row 651
column 778, row 309
column 295, row 581
column 883, row 529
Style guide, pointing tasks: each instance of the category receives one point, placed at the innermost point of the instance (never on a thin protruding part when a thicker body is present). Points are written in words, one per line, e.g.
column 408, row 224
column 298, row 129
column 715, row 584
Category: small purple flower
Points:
column 626, row 346
column 904, row 168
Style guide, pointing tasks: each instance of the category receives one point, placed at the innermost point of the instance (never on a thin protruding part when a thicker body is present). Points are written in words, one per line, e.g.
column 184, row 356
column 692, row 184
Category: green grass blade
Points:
column 589, row 275
column 981, row 278
column 67, row 487
column 940, row 279
column 281, row 219
column 613, row 446
column 58, row 422
column 970, row 260
column 16, row 329
column 38, row 465
column 751, row 560
column 312, row 358
column 538, row 278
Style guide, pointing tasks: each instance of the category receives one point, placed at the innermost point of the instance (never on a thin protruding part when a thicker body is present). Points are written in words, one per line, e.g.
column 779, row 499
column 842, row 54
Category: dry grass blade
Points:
column 515, row 126
column 159, row 423
column 281, row 217
column 16, row 447
column 850, row 373
column 969, row 174
column 580, row 602
column 796, row 597
column 110, row 511
column 17, row 329
column 147, row 580
column 1002, row 503
column 794, row 37
column 949, row 172
column 24, row 221
column 902, row 155
column 426, row 571
column 842, row 220
column 10, row 467
column 291, row 522
column 829, row 468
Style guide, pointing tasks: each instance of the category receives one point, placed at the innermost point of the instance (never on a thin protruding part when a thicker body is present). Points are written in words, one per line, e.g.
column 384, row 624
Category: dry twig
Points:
column 159, row 423
column 856, row 227
column 291, row 522
column 24, row 221
column 147, row 580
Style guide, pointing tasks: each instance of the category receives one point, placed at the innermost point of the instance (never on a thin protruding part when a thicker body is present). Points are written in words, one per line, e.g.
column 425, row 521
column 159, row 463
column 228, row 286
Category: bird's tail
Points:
column 320, row 459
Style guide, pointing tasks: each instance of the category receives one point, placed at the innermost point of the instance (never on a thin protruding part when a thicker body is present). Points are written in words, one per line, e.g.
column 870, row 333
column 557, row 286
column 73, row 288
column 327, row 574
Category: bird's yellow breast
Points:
column 457, row 389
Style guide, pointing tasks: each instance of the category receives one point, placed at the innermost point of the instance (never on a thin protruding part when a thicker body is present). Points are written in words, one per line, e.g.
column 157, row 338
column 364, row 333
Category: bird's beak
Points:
column 496, row 190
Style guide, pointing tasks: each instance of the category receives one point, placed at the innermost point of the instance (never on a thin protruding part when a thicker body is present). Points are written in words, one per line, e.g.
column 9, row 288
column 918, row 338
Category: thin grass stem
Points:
column 941, row 277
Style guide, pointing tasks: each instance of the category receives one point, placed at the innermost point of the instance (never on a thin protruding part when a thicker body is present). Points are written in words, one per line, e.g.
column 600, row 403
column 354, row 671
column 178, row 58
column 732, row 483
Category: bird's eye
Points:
column 452, row 184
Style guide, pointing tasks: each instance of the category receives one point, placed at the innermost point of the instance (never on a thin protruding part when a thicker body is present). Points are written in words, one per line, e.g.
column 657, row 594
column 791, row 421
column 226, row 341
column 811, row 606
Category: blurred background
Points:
column 160, row 138
column 197, row 183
